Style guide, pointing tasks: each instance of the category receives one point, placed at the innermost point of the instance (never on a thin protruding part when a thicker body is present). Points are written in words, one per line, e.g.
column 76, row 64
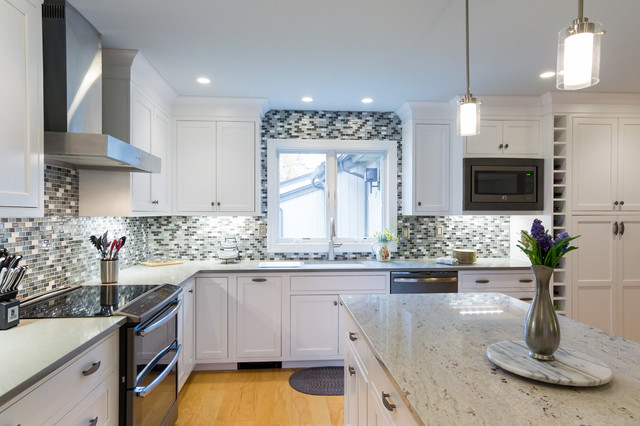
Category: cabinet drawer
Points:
column 381, row 391
column 65, row 388
column 338, row 283
column 101, row 406
column 496, row 280
column 356, row 339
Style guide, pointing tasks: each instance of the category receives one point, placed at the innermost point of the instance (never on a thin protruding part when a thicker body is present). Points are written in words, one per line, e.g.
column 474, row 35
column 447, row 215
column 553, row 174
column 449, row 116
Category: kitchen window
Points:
column 312, row 181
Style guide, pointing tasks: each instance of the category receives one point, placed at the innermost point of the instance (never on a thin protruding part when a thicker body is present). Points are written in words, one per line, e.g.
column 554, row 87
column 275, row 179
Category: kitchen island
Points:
column 433, row 350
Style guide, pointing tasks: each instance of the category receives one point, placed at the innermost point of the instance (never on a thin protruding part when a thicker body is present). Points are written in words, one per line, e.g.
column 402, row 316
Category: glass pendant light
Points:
column 579, row 53
column 469, row 106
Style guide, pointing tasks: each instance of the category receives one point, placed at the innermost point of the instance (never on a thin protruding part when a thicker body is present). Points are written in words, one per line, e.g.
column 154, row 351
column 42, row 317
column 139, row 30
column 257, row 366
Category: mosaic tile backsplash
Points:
column 57, row 249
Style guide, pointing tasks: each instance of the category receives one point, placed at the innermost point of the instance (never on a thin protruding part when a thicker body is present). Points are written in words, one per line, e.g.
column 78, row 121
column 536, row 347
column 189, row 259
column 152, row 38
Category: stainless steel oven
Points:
column 503, row 184
column 149, row 368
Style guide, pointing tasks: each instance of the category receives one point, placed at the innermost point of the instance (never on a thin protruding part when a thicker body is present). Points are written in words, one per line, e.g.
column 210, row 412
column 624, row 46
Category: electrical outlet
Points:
column 405, row 232
column 439, row 231
column 262, row 230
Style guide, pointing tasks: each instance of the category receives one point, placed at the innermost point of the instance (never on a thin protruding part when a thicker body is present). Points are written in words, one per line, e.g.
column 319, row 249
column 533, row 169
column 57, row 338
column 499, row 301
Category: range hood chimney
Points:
column 72, row 62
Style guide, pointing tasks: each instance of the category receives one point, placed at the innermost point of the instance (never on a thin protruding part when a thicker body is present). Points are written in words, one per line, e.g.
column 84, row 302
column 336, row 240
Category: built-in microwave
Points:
column 503, row 184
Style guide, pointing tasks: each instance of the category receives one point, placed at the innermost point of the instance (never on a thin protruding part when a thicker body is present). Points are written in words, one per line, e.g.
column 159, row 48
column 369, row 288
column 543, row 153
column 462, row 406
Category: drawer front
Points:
column 64, row 389
column 495, row 281
column 100, row 407
column 339, row 283
column 383, row 393
column 357, row 341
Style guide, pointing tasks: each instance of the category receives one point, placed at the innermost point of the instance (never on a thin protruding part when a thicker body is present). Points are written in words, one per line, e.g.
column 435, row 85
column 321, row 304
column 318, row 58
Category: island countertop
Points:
column 433, row 347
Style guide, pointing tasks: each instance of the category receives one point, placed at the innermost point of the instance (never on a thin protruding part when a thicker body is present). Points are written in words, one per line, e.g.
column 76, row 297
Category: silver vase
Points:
column 541, row 328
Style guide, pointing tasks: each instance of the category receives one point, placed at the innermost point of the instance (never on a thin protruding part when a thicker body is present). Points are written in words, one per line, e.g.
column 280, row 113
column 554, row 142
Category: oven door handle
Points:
column 164, row 319
column 425, row 280
column 142, row 391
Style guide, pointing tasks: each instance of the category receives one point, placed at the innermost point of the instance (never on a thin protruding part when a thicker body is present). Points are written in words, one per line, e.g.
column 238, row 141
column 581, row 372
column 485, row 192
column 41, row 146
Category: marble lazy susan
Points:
column 569, row 368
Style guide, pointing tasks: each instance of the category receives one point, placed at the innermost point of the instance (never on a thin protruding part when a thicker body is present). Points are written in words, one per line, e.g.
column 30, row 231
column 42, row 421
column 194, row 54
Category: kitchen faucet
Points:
column 332, row 245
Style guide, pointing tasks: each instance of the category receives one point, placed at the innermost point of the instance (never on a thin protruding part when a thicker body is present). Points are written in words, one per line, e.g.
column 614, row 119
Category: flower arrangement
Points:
column 385, row 236
column 541, row 248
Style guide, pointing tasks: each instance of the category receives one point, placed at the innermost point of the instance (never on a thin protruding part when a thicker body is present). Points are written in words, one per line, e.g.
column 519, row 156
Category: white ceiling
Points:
column 339, row 51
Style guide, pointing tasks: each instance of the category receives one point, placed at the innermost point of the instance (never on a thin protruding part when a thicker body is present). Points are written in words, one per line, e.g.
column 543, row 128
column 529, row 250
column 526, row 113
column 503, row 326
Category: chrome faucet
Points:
column 332, row 245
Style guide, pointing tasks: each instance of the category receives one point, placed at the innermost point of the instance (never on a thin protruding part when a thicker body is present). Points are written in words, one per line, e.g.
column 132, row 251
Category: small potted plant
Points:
column 381, row 247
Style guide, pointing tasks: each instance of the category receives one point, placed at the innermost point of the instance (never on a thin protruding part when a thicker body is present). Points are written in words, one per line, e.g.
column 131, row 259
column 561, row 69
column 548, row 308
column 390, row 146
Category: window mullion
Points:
column 331, row 182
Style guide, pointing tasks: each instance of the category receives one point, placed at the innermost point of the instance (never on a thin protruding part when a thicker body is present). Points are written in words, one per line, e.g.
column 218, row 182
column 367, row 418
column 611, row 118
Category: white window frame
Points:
column 388, row 179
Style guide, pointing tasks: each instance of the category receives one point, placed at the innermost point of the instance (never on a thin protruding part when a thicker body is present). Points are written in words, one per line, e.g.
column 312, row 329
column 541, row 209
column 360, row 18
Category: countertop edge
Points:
column 46, row 371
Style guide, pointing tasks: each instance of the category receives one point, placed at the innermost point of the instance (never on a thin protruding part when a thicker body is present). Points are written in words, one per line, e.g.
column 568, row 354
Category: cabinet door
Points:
column 211, row 318
column 520, row 138
column 236, row 164
column 21, row 107
column 259, row 317
column 141, row 137
column 314, row 326
column 355, row 390
column 593, row 176
column 629, row 278
column 186, row 333
column 487, row 142
column 431, row 166
column 628, row 167
column 195, row 166
column 594, row 272
column 160, row 148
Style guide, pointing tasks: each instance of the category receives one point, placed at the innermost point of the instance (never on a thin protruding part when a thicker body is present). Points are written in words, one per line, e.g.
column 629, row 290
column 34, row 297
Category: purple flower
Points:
column 562, row 236
column 542, row 238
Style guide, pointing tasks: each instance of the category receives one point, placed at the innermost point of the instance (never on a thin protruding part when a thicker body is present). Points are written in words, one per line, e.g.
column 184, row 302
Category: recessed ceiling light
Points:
column 548, row 74
column 307, row 99
column 203, row 80
column 367, row 100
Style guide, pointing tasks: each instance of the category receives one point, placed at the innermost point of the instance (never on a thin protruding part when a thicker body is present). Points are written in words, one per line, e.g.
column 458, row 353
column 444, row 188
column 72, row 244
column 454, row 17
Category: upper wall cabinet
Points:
column 22, row 188
column 216, row 167
column 605, row 173
column 136, row 109
column 505, row 138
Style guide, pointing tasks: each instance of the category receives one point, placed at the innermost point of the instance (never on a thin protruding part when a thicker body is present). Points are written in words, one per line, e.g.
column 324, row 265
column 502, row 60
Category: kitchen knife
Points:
column 3, row 275
column 7, row 280
column 15, row 261
column 18, row 279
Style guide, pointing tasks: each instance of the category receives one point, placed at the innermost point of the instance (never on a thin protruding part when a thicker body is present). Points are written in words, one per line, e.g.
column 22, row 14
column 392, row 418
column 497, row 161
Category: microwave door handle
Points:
column 142, row 391
column 164, row 319
column 426, row 280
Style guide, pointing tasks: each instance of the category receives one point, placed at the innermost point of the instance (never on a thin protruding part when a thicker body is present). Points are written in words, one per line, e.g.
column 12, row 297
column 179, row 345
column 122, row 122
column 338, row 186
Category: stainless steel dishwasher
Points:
column 404, row 282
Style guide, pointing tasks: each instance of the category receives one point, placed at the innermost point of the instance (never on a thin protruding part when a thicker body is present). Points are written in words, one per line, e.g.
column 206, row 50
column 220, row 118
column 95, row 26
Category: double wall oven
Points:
column 149, row 348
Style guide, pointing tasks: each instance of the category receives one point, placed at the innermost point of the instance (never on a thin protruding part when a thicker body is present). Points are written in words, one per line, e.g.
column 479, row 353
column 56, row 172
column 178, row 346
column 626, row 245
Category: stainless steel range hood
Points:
column 72, row 62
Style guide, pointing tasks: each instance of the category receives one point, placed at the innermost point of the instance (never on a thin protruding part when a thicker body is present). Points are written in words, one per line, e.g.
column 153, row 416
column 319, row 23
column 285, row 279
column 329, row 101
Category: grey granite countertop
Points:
column 434, row 348
column 37, row 347
column 177, row 274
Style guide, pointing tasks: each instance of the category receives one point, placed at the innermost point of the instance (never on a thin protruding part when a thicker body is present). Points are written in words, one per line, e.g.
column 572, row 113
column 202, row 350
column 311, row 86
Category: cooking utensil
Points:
column 113, row 245
column 6, row 280
column 14, row 262
column 96, row 242
column 118, row 247
column 18, row 280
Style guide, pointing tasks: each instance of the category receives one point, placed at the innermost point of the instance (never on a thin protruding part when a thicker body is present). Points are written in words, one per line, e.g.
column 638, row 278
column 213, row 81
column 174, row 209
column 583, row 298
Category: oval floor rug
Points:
column 319, row 381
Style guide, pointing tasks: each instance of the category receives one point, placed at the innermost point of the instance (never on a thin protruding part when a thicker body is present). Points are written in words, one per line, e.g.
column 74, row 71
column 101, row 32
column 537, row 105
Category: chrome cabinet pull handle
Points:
column 93, row 422
column 258, row 280
column 615, row 228
column 352, row 371
column 386, row 403
column 94, row 367
column 352, row 336
column 526, row 280
column 482, row 281
column 621, row 228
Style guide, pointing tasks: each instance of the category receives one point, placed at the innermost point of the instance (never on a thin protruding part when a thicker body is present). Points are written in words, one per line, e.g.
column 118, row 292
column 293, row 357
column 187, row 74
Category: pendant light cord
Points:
column 580, row 9
column 467, row 35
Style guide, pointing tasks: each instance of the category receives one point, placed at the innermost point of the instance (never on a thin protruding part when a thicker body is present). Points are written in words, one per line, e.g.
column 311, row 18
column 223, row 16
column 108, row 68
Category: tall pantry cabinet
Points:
column 606, row 213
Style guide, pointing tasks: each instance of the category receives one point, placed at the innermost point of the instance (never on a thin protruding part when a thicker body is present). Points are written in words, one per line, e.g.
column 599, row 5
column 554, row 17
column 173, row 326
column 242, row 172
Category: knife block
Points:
column 9, row 314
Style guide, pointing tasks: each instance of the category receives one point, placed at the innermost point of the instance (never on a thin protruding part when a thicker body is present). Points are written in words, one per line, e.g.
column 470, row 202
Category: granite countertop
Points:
column 177, row 274
column 436, row 356
column 37, row 347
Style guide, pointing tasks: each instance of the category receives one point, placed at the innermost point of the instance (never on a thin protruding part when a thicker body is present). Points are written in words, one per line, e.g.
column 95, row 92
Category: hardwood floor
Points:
column 253, row 397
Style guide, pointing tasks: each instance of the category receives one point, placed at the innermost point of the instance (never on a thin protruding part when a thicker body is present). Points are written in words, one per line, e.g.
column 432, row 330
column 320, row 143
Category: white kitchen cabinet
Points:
column 216, row 167
column 315, row 326
column 355, row 388
column 605, row 173
column 606, row 273
column 518, row 284
column 69, row 395
column 427, row 174
column 21, row 114
column 259, row 317
column 212, row 324
column 186, row 333
column 136, row 104
column 505, row 138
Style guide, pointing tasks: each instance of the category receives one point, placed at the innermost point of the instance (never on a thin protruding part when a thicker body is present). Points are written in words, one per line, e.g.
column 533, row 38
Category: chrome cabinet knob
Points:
column 506, row 145
column 500, row 146
column 615, row 203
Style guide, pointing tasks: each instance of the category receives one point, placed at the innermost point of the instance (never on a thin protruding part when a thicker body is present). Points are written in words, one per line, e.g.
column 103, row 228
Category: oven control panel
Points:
column 150, row 300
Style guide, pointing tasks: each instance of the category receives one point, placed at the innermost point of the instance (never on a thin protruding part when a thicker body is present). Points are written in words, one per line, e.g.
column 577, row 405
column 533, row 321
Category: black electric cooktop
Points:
column 96, row 301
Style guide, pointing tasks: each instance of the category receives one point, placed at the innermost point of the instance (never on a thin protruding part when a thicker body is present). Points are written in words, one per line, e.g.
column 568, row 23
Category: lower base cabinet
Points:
column 69, row 396
column 212, row 318
column 315, row 326
column 355, row 389
column 186, row 333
